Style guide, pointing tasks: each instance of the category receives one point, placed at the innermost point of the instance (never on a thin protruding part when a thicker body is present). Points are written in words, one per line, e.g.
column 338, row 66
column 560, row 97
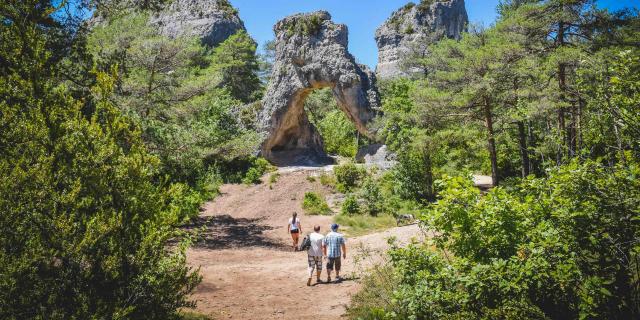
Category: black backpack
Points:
column 306, row 243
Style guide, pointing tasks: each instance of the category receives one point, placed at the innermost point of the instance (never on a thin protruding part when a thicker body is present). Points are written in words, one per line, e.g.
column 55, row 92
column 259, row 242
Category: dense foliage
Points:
column 546, row 100
column 563, row 247
column 338, row 133
column 85, row 224
column 182, row 94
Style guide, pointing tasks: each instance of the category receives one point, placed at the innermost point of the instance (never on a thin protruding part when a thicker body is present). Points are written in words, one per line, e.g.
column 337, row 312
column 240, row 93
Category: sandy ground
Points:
column 248, row 267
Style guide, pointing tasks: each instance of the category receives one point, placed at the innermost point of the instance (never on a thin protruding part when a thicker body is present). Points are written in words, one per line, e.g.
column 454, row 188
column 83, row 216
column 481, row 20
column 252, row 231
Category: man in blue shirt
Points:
column 333, row 248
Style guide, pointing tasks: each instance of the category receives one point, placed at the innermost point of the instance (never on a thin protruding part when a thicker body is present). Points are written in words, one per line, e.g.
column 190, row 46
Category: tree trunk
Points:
column 534, row 164
column 572, row 137
column 580, row 143
column 562, row 127
column 562, row 86
column 524, row 151
column 491, row 142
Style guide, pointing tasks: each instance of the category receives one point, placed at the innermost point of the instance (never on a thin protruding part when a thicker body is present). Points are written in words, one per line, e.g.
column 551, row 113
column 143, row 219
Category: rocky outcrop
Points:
column 376, row 155
column 213, row 21
column 412, row 28
column 311, row 53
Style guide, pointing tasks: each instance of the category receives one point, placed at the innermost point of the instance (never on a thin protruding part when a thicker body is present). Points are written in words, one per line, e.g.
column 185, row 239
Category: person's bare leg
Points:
column 318, row 275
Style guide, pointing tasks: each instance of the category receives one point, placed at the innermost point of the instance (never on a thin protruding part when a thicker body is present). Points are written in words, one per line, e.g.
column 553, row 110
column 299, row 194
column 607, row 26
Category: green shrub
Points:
column 315, row 204
column 273, row 178
column 350, row 206
column 85, row 222
column 372, row 197
column 307, row 25
column 545, row 249
column 311, row 179
column 184, row 201
column 259, row 167
column 348, row 176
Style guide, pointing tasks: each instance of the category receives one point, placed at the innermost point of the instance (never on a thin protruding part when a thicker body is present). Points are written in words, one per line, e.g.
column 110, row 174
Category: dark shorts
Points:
column 337, row 261
column 295, row 231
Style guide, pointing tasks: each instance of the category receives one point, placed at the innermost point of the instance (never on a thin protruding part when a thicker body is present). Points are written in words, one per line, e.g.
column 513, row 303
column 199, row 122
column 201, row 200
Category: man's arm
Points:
column 344, row 250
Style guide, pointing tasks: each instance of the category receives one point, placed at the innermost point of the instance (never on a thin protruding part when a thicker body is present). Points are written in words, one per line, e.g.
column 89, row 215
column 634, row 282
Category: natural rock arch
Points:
column 311, row 53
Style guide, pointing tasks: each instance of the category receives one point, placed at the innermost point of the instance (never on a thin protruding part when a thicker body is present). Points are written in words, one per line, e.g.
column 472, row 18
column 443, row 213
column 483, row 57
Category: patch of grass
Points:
column 311, row 179
column 358, row 225
column 327, row 180
column 315, row 204
column 187, row 315
column 273, row 178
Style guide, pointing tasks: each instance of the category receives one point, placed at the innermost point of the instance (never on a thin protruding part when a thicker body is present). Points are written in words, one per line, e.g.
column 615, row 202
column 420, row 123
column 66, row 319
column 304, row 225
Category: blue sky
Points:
column 361, row 16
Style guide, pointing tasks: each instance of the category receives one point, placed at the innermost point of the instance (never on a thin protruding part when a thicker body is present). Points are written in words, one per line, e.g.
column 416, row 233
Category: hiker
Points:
column 314, row 254
column 295, row 229
column 334, row 247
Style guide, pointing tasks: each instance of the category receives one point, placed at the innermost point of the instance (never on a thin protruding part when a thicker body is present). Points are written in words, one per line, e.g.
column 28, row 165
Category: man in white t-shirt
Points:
column 315, row 254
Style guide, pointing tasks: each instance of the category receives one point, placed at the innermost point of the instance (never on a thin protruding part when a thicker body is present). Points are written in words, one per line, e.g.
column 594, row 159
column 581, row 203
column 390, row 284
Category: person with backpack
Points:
column 295, row 229
column 313, row 244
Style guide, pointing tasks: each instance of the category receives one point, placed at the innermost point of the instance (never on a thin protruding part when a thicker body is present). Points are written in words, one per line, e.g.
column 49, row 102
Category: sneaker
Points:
column 319, row 281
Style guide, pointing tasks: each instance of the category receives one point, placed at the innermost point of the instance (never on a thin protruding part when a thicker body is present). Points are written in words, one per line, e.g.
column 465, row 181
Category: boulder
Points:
column 412, row 28
column 213, row 21
column 311, row 53
column 376, row 155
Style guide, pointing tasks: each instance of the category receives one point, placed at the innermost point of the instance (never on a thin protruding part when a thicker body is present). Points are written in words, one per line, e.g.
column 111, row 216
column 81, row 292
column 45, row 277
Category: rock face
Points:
column 311, row 53
column 410, row 29
column 376, row 155
column 212, row 20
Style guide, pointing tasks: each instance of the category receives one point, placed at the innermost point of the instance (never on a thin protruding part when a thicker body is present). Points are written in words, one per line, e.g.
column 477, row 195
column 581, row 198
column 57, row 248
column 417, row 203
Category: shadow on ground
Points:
column 226, row 232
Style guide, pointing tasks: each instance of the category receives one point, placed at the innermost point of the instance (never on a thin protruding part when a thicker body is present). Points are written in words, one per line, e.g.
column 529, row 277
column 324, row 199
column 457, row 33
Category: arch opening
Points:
column 307, row 61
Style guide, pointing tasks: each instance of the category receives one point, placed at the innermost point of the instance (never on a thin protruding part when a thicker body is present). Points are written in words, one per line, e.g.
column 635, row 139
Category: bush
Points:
column 557, row 248
column 372, row 197
column 348, row 176
column 314, row 204
column 85, row 223
column 350, row 206
column 259, row 167
column 184, row 202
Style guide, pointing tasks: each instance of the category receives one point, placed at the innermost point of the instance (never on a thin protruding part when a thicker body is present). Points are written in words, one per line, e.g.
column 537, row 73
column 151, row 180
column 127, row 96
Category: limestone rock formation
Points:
column 311, row 53
column 212, row 20
column 376, row 155
column 410, row 29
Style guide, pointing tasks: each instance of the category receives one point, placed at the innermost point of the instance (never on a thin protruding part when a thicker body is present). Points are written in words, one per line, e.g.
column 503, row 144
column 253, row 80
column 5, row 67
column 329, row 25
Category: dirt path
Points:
column 248, row 268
